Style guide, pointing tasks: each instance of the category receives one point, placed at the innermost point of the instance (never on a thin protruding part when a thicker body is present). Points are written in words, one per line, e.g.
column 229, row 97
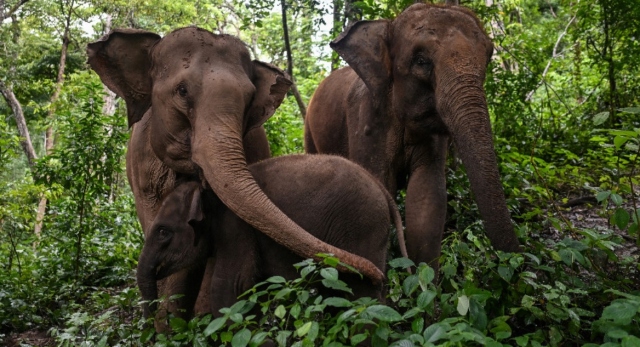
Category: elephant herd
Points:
column 220, row 215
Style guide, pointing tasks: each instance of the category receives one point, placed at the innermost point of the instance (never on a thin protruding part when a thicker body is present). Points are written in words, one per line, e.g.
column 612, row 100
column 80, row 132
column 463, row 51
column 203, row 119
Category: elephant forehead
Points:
column 426, row 19
column 192, row 46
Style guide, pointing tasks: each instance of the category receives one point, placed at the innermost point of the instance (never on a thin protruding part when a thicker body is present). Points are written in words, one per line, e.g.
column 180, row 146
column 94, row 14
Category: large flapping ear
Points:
column 365, row 47
column 122, row 60
column 272, row 85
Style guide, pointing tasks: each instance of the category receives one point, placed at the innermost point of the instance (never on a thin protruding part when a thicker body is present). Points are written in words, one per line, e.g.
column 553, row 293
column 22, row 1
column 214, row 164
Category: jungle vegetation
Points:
column 564, row 95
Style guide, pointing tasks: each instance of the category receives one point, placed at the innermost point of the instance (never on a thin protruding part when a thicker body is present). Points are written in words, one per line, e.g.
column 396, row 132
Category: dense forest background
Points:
column 564, row 96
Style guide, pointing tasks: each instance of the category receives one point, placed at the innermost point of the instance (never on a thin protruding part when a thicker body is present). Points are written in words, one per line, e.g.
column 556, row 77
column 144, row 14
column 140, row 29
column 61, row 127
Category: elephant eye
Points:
column 164, row 234
column 182, row 90
column 422, row 61
column 422, row 66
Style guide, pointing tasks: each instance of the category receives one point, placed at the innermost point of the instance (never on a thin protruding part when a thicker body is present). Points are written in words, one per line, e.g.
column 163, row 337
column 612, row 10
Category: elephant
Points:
column 333, row 198
column 197, row 103
column 411, row 85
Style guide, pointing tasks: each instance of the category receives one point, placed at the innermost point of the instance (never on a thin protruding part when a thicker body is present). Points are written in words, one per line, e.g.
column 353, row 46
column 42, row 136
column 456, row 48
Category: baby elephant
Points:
column 336, row 200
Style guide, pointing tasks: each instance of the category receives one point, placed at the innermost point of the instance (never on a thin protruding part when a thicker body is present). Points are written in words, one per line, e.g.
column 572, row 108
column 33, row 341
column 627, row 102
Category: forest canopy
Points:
column 563, row 92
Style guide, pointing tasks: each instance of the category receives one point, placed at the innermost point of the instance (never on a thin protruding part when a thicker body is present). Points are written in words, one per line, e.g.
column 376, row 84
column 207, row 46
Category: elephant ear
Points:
column 196, row 212
column 365, row 47
column 123, row 62
column 272, row 85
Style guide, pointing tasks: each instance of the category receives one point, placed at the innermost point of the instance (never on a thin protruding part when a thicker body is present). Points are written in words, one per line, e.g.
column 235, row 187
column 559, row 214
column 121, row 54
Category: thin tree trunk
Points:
column 287, row 45
column 49, row 135
column 23, row 131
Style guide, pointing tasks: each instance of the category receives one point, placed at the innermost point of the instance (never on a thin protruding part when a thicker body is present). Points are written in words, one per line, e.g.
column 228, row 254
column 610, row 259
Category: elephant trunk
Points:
column 465, row 113
column 220, row 155
column 146, row 278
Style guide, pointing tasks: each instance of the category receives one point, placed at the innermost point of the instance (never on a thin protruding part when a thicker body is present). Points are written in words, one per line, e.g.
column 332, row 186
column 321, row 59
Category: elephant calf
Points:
column 334, row 199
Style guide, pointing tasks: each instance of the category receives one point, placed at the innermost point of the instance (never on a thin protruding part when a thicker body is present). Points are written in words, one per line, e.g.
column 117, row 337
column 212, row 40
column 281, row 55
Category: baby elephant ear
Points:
column 196, row 212
column 272, row 85
column 123, row 62
column 365, row 47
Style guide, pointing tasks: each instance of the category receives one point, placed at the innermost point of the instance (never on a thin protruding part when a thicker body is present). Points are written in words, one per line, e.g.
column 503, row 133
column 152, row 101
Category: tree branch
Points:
column 5, row 15
column 23, row 131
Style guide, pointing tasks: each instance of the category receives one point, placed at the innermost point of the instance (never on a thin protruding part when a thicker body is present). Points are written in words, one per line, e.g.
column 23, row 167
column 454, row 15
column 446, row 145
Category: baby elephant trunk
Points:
column 146, row 277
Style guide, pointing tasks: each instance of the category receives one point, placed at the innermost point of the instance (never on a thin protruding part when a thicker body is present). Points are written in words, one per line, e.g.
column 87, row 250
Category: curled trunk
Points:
column 221, row 156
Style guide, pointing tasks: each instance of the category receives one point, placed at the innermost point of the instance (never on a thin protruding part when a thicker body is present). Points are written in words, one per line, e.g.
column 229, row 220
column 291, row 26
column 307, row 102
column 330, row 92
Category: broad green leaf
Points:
column 425, row 298
column 634, row 110
column 434, row 332
column 258, row 338
column 603, row 195
column 337, row 302
column 410, row 284
column 276, row 279
column 401, row 263
column 600, row 118
column 329, row 273
column 463, row 305
column 241, row 338
column 383, row 313
column 426, row 276
column 304, row 329
column 630, row 341
column 356, row 339
column 621, row 311
column 621, row 218
column 618, row 141
column 280, row 311
column 617, row 199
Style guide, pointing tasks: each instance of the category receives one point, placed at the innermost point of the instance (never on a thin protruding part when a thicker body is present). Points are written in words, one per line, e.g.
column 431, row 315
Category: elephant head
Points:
column 180, row 237
column 427, row 68
column 204, row 93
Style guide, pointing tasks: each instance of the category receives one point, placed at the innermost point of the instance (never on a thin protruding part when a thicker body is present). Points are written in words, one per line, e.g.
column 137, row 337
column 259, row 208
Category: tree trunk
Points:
column 23, row 131
column 287, row 45
column 49, row 135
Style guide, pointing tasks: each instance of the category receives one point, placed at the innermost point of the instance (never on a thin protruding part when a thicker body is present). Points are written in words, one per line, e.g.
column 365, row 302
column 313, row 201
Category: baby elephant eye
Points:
column 182, row 90
column 164, row 234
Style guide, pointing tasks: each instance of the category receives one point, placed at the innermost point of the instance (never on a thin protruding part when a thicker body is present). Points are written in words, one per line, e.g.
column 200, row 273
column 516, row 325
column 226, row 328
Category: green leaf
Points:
column 241, row 338
column 280, row 311
column 425, row 298
column 634, row 110
column 356, row 339
column 618, row 141
column 617, row 199
column 505, row 272
column 621, row 218
column 336, row 284
column 417, row 325
column 410, row 284
column 383, row 313
column 463, row 305
column 401, row 263
column 426, row 276
column 630, row 341
column 434, row 332
column 603, row 195
column 276, row 279
column 258, row 338
column 621, row 311
column 337, row 302
column 600, row 118
column 329, row 273
column 304, row 329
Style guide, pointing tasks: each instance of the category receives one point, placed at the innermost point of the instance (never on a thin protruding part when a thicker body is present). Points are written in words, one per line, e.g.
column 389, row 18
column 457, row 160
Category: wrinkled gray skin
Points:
column 334, row 199
column 412, row 84
column 205, row 94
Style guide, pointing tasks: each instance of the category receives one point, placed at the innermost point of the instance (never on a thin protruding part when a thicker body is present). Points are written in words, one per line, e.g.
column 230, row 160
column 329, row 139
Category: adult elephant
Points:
column 197, row 95
column 411, row 84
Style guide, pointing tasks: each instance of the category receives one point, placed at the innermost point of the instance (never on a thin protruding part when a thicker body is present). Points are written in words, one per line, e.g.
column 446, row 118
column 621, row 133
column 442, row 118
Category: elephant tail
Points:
column 397, row 221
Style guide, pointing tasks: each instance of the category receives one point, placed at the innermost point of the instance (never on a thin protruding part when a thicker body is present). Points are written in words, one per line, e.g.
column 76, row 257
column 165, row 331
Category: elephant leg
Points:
column 236, row 262
column 203, row 304
column 426, row 206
